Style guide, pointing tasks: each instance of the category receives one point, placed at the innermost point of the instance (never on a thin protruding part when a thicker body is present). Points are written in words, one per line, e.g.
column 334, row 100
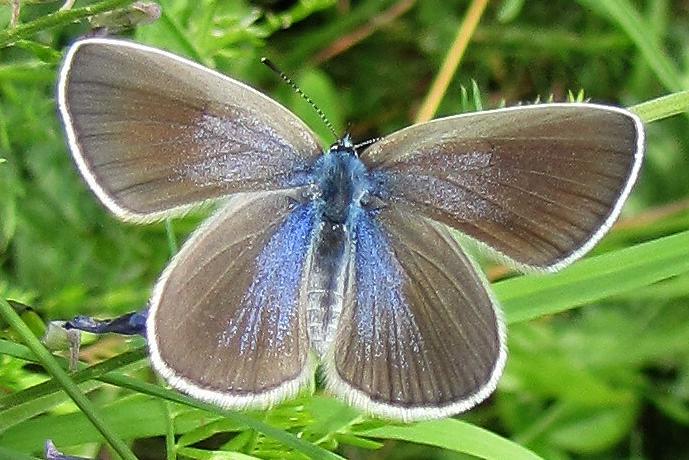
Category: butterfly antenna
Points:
column 298, row 90
column 368, row 142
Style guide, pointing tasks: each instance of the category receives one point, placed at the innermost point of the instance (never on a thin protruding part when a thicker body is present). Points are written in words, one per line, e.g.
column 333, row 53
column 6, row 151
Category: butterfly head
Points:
column 344, row 146
column 341, row 180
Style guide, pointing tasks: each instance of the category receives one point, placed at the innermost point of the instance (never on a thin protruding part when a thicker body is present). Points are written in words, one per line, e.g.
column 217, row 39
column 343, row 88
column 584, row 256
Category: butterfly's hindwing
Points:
column 228, row 320
column 419, row 335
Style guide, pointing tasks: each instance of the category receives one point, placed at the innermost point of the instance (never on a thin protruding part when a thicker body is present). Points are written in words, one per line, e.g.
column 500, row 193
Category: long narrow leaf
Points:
column 67, row 384
column 591, row 279
column 123, row 381
column 662, row 107
column 455, row 435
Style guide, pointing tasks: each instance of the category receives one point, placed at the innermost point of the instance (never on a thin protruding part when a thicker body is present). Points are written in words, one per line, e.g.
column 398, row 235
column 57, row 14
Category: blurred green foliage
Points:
column 605, row 381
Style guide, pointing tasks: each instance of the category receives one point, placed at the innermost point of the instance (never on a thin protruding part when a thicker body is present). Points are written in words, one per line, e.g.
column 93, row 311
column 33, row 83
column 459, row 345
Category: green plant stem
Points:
column 662, row 107
column 170, row 448
column 54, row 369
column 123, row 381
column 62, row 17
column 452, row 59
column 284, row 437
column 86, row 373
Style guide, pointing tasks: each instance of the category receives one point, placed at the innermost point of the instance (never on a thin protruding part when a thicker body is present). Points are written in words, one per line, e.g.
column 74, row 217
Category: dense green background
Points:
column 605, row 378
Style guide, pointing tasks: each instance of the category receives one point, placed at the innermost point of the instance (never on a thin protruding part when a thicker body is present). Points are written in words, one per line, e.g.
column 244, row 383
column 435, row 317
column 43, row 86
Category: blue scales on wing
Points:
column 227, row 323
column 419, row 336
column 270, row 301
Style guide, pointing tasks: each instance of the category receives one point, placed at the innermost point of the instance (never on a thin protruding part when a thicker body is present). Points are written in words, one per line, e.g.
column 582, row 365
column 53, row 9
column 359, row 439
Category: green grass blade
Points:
column 132, row 416
column 54, row 369
column 22, row 405
column 594, row 278
column 88, row 373
column 286, row 438
column 628, row 19
column 455, row 435
column 662, row 107
column 18, row 414
column 123, row 381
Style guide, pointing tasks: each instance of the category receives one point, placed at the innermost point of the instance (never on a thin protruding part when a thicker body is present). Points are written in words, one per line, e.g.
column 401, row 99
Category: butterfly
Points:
column 341, row 259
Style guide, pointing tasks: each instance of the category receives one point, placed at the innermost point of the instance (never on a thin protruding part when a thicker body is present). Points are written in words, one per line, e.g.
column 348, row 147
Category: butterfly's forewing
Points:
column 540, row 184
column 152, row 132
column 227, row 319
column 419, row 335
